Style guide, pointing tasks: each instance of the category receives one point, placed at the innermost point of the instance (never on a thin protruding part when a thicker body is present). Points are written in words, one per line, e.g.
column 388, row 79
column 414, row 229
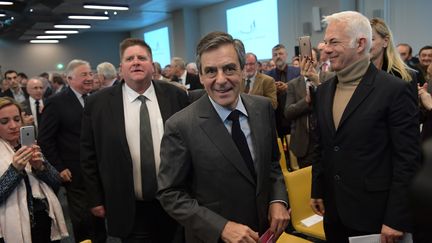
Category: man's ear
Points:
column 361, row 44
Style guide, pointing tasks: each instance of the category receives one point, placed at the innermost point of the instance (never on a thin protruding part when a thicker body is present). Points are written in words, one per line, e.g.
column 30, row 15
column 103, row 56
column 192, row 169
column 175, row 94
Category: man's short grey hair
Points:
column 72, row 65
column 107, row 70
column 178, row 62
column 357, row 26
column 215, row 40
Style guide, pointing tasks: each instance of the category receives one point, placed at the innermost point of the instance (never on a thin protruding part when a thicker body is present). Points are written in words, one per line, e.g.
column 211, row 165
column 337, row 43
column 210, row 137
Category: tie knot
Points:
column 37, row 102
column 84, row 96
column 142, row 98
column 234, row 115
column 248, row 82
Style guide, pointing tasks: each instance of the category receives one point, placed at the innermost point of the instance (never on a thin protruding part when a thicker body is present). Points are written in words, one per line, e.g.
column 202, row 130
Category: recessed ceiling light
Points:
column 61, row 31
column 90, row 17
column 106, row 7
column 31, row 10
column 44, row 41
column 6, row 3
column 51, row 37
column 2, row 15
column 72, row 26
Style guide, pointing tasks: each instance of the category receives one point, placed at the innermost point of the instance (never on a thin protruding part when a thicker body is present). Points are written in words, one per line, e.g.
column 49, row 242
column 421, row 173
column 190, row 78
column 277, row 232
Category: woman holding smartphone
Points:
column 29, row 208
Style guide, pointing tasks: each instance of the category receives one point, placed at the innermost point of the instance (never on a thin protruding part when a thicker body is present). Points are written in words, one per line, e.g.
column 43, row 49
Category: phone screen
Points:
column 27, row 136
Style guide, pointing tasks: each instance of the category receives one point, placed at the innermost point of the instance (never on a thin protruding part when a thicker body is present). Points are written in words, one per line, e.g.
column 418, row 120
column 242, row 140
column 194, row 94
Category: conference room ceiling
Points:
column 33, row 17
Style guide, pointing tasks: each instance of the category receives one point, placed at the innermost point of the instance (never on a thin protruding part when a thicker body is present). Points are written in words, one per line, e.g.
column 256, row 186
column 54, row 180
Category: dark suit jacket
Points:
column 105, row 157
column 263, row 85
column 367, row 163
column 203, row 181
column 9, row 93
column 194, row 81
column 59, row 132
column 283, row 125
column 27, row 109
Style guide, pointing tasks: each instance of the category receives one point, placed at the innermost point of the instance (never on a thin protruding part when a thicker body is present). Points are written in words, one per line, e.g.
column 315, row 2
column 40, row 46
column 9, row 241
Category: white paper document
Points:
column 376, row 238
column 308, row 222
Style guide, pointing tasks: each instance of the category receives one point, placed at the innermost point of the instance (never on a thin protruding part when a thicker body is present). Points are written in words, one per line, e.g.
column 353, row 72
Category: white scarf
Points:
column 14, row 214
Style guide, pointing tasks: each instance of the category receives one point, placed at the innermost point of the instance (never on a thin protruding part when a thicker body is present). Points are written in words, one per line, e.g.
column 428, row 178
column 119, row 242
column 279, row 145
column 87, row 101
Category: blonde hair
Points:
column 394, row 61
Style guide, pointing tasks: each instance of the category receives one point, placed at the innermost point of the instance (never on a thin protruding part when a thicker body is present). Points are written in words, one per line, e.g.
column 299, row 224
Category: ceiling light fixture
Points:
column 51, row 37
column 72, row 26
column 90, row 17
column 106, row 7
column 61, row 31
column 2, row 15
column 44, row 41
column 6, row 3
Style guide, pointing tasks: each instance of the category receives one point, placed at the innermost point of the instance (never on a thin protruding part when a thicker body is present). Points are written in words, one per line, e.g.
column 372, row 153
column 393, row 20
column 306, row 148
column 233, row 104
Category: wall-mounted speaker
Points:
column 316, row 19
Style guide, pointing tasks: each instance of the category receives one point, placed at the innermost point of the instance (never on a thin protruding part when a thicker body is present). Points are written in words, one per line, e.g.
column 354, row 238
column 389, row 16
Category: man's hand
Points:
column 98, row 211
column 389, row 235
column 278, row 216
column 66, row 175
column 281, row 87
column 308, row 70
column 317, row 206
column 424, row 96
column 234, row 232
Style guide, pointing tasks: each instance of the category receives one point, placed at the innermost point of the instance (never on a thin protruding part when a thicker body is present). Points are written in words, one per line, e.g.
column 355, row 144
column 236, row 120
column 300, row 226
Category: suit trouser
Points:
column 337, row 232
column 153, row 225
column 85, row 225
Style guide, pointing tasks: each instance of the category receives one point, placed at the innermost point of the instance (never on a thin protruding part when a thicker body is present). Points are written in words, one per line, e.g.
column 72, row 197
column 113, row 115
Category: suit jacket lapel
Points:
column 117, row 116
column 361, row 92
column 164, row 104
column 328, row 97
column 217, row 133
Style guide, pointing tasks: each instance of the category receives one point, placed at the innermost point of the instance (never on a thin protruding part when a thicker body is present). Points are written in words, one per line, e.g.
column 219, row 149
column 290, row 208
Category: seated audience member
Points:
column 192, row 68
column 107, row 74
column 257, row 83
column 179, row 74
column 166, row 72
column 295, row 61
column 157, row 74
column 29, row 208
column 15, row 91
column 58, row 83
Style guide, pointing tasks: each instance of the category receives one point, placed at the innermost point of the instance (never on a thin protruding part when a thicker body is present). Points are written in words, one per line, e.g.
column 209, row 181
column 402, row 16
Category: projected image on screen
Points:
column 256, row 24
column 158, row 40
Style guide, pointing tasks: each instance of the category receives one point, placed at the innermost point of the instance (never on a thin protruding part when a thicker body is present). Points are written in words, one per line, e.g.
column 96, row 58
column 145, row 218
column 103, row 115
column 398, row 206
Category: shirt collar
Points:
column 224, row 112
column 78, row 94
column 183, row 76
column 132, row 95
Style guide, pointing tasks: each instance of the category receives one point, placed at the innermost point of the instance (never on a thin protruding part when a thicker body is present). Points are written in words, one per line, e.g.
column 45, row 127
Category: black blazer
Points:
column 105, row 157
column 366, row 164
column 9, row 93
column 59, row 132
column 194, row 81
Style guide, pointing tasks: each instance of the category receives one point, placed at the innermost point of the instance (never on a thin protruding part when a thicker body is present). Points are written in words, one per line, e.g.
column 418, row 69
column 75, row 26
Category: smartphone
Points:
column 305, row 46
column 27, row 136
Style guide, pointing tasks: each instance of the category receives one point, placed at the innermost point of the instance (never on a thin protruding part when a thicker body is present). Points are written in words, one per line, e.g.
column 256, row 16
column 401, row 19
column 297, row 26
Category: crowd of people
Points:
column 189, row 153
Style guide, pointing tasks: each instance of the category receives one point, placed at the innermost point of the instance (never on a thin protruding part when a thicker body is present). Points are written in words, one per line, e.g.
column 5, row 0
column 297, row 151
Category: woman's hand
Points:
column 36, row 159
column 22, row 157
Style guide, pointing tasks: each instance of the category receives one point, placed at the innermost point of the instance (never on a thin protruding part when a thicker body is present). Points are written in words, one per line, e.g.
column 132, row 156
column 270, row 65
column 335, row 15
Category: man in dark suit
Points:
column 15, row 91
column 179, row 74
column 368, row 139
column 216, row 188
column 298, row 111
column 33, row 106
column 257, row 83
column 282, row 74
column 59, row 138
column 112, row 157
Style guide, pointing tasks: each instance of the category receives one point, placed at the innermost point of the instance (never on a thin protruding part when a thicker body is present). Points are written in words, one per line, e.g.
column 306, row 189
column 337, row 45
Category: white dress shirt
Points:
column 132, row 105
